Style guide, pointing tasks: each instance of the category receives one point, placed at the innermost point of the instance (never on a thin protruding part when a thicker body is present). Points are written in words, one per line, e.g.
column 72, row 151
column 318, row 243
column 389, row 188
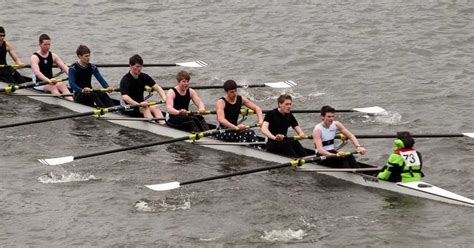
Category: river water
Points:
column 413, row 59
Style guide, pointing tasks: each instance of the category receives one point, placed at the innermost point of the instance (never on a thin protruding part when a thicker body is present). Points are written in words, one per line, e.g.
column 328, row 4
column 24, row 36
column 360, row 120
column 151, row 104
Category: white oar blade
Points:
column 281, row 84
column 163, row 186
column 56, row 161
column 197, row 63
column 470, row 135
column 370, row 110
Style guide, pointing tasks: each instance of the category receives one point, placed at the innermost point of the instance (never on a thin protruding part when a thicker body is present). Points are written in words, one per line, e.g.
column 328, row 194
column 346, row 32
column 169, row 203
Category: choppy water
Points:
column 413, row 59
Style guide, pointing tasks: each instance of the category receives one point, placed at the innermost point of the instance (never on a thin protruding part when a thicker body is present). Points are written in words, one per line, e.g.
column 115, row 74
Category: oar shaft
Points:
column 94, row 112
column 385, row 136
column 237, row 173
column 131, row 148
column 189, row 137
column 295, row 163
column 45, row 120
column 127, row 65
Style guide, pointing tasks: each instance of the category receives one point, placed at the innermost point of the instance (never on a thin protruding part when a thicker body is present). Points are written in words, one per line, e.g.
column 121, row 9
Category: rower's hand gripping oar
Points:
column 13, row 88
column 96, row 112
column 293, row 163
column 193, row 64
column 196, row 136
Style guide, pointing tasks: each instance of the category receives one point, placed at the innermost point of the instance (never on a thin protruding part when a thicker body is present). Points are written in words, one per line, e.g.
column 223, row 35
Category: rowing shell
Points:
column 418, row 189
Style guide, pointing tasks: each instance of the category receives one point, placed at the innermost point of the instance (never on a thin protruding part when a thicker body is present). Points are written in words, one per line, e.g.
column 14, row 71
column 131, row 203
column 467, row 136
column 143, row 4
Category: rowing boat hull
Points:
column 418, row 189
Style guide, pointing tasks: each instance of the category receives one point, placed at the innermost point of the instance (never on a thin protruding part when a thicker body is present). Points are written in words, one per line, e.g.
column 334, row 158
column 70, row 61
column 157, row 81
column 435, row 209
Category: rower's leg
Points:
column 64, row 90
column 155, row 110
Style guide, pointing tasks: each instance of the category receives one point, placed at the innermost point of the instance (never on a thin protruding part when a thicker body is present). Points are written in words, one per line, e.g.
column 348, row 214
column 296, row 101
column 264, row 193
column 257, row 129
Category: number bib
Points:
column 411, row 158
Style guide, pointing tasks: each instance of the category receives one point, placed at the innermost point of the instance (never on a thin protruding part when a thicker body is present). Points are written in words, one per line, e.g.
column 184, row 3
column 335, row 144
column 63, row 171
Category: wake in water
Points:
column 387, row 117
column 164, row 205
column 66, row 178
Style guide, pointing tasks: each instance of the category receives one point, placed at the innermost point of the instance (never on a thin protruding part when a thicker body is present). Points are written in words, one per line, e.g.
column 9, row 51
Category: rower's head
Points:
column 2, row 33
column 182, row 79
column 230, row 88
column 136, row 64
column 84, row 54
column 328, row 114
column 403, row 140
column 44, row 43
column 284, row 103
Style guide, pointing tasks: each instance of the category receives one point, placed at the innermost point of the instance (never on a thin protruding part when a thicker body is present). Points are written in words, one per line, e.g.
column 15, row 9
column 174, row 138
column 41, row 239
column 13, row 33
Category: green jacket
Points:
column 404, row 165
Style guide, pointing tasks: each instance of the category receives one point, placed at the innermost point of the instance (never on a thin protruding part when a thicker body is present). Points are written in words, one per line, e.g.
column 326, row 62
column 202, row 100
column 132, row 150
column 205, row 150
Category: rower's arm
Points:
column 299, row 131
column 170, row 103
column 266, row 131
column 249, row 104
column 197, row 100
column 13, row 55
column 360, row 149
column 160, row 91
column 98, row 76
column 220, row 115
column 57, row 60
column 72, row 80
column 129, row 100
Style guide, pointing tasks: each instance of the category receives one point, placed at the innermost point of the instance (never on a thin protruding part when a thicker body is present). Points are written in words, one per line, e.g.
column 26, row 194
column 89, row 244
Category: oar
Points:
column 130, row 118
column 229, row 143
column 101, row 111
column 13, row 88
column 43, row 95
column 67, row 159
column 281, row 85
column 311, row 168
column 246, row 111
column 367, row 110
column 195, row 63
column 385, row 136
column 293, row 163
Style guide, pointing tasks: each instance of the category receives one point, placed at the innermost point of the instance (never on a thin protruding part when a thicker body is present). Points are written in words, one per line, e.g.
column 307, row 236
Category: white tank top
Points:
column 327, row 135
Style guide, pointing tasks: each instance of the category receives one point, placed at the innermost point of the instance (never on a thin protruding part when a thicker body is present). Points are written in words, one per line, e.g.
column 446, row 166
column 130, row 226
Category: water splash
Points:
column 387, row 117
column 167, row 204
column 21, row 137
column 65, row 178
column 283, row 235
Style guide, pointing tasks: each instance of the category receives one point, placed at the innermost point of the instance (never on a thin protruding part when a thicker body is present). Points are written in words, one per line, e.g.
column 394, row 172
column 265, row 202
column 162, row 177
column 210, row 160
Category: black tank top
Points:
column 3, row 53
column 232, row 111
column 46, row 64
column 181, row 102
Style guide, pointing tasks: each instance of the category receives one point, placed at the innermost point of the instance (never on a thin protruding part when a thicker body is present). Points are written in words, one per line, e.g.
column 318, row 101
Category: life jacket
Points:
column 404, row 165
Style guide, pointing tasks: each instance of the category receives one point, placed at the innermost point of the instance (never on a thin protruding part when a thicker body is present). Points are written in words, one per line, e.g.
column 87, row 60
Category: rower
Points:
column 80, row 75
column 177, row 105
column 7, row 73
column 227, row 113
column 275, row 128
column 324, row 134
column 42, row 65
column 132, row 87
column 405, row 163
